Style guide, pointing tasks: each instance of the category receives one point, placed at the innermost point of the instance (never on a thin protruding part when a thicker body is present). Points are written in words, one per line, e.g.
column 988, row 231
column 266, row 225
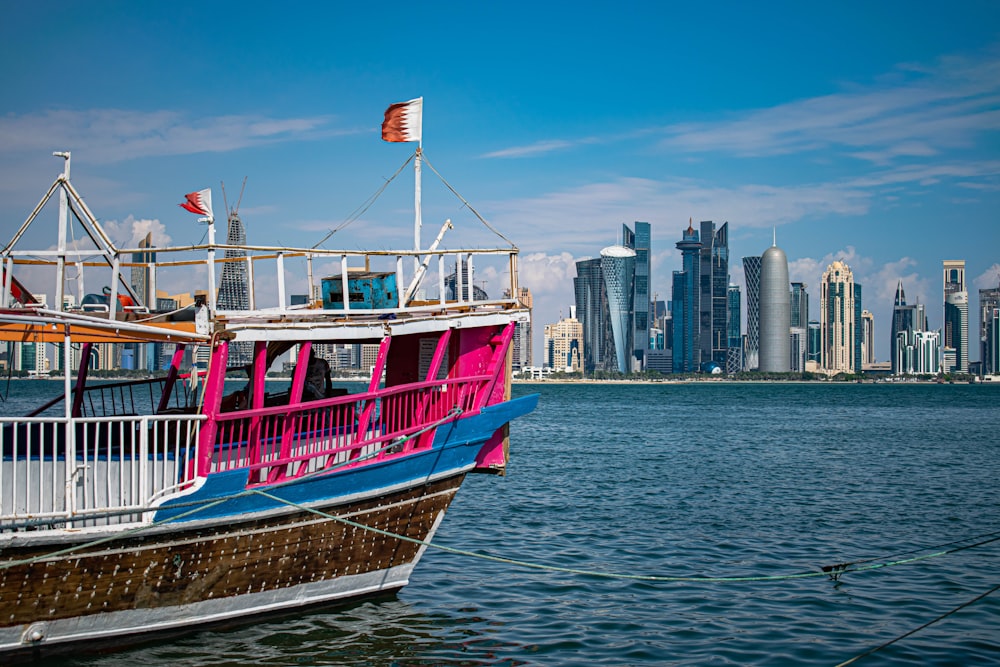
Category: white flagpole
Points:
column 417, row 222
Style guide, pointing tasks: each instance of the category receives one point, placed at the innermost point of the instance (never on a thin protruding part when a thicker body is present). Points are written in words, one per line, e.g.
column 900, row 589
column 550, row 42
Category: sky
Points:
column 859, row 131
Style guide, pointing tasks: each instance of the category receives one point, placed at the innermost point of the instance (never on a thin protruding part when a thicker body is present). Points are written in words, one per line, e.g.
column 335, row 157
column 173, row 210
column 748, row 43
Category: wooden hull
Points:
column 197, row 574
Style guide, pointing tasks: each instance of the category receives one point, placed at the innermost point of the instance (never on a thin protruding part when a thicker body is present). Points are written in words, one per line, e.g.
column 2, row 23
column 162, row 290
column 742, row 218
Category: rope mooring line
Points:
column 918, row 629
column 833, row 572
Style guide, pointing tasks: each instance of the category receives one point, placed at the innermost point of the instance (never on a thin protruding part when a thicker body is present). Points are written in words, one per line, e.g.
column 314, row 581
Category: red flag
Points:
column 404, row 121
column 199, row 203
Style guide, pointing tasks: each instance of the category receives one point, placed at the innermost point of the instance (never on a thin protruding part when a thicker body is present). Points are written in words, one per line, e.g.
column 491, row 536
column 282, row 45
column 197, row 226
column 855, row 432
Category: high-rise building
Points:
column 815, row 334
column 918, row 352
column 640, row 241
column 956, row 315
column 687, row 304
column 989, row 303
column 867, row 338
column 775, row 312
column 902, row 320
column 751, row 271
column 837, row 320
column 858, row 328
column 991, row 347
column 734, row 358
column 140, row 274
column 591, row 309
column 234, row 289
column 799, row 327
column 564, row 344
column 799, row 306
column 522, row 356
column 713, row 286
column 618, row 270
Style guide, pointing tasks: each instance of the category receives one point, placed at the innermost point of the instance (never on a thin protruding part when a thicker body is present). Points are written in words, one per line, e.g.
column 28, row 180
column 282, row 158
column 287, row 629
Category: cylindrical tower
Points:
column 775, row 312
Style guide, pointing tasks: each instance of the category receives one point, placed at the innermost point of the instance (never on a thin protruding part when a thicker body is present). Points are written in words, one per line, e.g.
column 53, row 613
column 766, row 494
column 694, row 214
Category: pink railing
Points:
column 286, row 442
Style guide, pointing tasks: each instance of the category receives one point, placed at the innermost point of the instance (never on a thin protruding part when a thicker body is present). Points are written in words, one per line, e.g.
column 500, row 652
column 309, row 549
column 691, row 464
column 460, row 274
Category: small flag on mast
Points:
column 404, row 121
column 199, row 203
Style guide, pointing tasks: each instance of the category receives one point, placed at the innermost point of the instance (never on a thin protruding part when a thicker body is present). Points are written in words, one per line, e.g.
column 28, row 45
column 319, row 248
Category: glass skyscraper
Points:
column 234, row 290
column 956, row 315
column 618, row 267
column 687, row 305
column 714, row 287
column 591, row 306
column 734, row 358
column 989, row 305
column 751, row 270
column 640, row 241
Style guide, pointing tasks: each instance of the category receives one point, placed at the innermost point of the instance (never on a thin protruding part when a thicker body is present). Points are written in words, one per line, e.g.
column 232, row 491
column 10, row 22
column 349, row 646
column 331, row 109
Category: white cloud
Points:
column 129, row 232
column 114, row 135
column 990, row 278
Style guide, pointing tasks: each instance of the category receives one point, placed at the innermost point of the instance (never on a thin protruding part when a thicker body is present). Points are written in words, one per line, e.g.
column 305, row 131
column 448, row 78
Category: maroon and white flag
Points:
column 404, row 121
column 199, row 203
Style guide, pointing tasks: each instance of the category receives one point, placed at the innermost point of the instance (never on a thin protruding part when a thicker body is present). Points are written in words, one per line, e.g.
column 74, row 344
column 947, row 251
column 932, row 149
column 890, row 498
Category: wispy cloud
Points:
column 591, row 210
column 115, row 135
column 912, row 112
column 539, row 148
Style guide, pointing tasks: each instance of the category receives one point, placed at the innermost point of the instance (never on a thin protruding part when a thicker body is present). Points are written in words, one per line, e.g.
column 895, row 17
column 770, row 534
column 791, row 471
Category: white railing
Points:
column 92, row 471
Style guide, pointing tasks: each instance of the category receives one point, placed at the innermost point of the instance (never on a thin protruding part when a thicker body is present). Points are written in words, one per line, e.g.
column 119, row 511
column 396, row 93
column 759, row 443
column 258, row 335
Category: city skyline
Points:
column 869, row 141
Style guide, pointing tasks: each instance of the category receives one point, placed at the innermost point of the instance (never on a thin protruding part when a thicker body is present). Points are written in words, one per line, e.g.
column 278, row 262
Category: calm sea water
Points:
column 719, row 480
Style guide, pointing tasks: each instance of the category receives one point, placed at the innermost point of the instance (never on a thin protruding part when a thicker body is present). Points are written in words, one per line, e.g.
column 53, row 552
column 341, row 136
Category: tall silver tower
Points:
column 775, row 312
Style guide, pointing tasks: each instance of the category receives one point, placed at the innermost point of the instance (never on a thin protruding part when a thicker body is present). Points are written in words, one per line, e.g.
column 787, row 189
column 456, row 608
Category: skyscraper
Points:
column 687, row 304
column 640, row 241
column 775, row 312
column 989, row 306
column 956, row 315
column 751, row 270
column 838, row 330
column 799, row 327
column 522, row 357
column 713, row 286
column 591, row 309
column 799, row 306
column 902, row 320
column 867, row 338
column 618, row 269
column 234, row 290
column 858, row 328
column 734, row 358
column 140, row 274
column 563, row 343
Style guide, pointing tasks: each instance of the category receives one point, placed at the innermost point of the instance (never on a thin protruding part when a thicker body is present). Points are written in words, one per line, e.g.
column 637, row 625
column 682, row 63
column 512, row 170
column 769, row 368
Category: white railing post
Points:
column 144, row 462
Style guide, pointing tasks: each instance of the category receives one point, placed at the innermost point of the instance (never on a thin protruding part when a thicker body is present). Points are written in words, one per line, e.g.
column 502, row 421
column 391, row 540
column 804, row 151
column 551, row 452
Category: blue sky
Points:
column 866, row 132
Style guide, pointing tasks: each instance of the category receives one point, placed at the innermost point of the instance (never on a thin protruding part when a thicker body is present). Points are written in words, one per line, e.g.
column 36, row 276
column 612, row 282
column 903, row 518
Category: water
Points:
column 706, row 479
